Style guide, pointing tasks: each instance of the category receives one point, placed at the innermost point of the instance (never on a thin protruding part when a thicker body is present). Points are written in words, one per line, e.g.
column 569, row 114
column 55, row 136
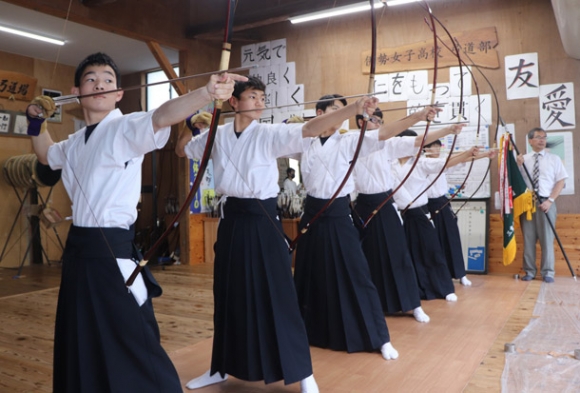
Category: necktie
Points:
column 536, row 173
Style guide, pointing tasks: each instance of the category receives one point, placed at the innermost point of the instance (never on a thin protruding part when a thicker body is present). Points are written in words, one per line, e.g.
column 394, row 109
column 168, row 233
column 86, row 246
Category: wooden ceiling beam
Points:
column 166, row 66
column 216, row 34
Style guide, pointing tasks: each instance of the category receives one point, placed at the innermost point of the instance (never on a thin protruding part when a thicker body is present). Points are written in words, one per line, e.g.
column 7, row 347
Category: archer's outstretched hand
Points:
column 429, row 113
column 366, row 105
column 221, row 87
column 456, row 128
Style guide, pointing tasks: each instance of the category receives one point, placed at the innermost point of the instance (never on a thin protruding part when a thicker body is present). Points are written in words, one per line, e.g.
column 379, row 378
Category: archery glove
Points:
column 37, row 125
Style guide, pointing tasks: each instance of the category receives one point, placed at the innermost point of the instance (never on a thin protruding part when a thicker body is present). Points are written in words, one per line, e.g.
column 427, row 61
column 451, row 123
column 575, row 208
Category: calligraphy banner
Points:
column 478, row 44
column 557, row 106
column 16, row 85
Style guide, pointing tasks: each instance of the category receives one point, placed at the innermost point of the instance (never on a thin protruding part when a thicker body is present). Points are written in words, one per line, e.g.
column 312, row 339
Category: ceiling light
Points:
column 349, row 9
column 391, row 3
column 31, row 35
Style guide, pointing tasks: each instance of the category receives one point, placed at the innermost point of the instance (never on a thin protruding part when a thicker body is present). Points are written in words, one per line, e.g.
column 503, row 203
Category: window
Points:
column 158, row 94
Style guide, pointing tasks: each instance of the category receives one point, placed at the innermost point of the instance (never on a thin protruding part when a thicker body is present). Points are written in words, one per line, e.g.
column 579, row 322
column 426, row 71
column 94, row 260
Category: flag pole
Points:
column 547, row 217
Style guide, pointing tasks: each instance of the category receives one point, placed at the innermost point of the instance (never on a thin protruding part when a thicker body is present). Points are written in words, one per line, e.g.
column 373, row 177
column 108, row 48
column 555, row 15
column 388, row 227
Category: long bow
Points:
column 498, row 121
column 224, row 63
column 461, row 109
column 433, row 95
column 363, row 129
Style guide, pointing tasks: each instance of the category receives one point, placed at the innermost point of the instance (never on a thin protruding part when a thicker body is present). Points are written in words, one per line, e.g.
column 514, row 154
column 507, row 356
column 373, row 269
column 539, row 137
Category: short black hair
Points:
column 327, row 100
column 435, row 142
column 100, row 59
column 252, row 83
column 289, row 170
column 533, row 131
column 408, row 133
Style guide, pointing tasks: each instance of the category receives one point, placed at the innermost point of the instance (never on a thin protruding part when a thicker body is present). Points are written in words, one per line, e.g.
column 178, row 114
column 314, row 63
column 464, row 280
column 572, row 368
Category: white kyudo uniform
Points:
column 433, row 275
column 107, row 168
column 383, row 239
column 258, row 331
column 323, row 166
column 417, row 181
column 96, row 348
column 373, row 172
column 246, row 167
column 441, row 187
column 337, row 298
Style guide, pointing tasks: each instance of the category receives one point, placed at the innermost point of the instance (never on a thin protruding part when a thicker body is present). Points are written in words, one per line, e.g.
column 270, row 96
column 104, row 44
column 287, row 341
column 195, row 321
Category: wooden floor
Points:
column 461, row 349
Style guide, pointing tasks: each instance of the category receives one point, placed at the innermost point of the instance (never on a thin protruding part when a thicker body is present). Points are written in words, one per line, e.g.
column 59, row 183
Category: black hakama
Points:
column 259, row 334
column 433, row 276
column 385, row 248
column 446, row 223
column 338, row 300
column 105, row 342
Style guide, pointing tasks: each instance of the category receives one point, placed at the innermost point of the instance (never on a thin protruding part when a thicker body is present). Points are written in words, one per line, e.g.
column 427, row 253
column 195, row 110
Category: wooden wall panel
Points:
column 568, row 229
column 197, row 249
column 59, row 78
column 210, row 226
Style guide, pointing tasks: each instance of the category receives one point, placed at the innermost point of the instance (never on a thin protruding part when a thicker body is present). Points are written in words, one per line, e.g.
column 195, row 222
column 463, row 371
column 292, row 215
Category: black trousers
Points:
column 105, row 342
column 338, row 300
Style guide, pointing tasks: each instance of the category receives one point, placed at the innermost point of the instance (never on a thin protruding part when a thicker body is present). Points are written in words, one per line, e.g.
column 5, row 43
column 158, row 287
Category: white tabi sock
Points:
column 205, row 380
column 465, row 281
column 420, row 315
column 451, row 297
column 389, row 352
column 308, row 385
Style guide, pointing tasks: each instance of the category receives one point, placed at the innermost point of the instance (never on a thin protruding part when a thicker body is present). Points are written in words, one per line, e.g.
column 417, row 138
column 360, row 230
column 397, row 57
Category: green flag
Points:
column 515, row 198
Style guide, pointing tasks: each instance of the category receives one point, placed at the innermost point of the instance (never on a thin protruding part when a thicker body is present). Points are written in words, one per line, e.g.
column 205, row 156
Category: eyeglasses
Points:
column 376, row 120
column 540, row 138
